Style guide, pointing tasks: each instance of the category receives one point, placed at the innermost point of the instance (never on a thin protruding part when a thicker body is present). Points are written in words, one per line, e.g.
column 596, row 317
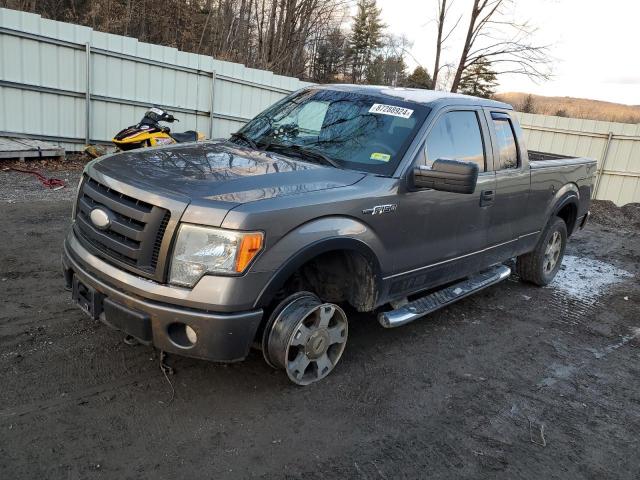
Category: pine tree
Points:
column 420, row 78
column 387, row 70
column 330, row 57
column 479, row 80
column 528, row 105
column 365, row 39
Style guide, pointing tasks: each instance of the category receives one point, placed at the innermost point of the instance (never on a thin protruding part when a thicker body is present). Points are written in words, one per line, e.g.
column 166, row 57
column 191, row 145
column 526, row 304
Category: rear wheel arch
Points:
column 567, row 209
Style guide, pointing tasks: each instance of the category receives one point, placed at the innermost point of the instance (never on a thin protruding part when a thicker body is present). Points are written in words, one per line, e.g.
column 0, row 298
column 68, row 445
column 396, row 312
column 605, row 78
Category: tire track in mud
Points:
column 72, row 398
column 573, row 312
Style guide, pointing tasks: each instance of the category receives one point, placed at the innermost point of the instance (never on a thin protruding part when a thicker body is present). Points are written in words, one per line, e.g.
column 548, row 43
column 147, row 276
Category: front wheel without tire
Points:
column 305, row 337
column 542, row 264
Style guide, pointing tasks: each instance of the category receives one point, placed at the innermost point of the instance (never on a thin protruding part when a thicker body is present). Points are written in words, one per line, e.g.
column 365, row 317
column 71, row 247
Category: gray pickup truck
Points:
column 335, row 199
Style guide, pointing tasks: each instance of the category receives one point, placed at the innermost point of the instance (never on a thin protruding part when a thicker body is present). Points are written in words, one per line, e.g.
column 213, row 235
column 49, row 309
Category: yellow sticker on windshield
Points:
column 383, row 157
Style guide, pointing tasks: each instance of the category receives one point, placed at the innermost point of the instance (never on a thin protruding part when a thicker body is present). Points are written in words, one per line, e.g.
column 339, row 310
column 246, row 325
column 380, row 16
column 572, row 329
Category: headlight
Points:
column 200, row 250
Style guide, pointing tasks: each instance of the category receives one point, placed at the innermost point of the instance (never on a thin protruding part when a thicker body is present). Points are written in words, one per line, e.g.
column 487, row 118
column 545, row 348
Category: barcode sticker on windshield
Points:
column 390, row 110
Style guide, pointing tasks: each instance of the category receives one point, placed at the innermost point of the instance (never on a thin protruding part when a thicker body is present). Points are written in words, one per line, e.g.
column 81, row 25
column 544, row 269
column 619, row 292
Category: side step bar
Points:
column 436, row 300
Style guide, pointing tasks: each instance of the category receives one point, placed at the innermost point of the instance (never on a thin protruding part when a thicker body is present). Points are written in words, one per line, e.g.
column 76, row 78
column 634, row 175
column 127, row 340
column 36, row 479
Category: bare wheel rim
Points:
column 552, row 252
column 308, row 339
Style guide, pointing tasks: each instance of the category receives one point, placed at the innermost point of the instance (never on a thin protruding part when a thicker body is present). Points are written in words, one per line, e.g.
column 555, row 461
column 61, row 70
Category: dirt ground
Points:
column 514, row 382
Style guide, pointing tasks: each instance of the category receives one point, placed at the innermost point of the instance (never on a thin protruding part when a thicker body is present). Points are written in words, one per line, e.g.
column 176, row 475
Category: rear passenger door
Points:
column 509, row 212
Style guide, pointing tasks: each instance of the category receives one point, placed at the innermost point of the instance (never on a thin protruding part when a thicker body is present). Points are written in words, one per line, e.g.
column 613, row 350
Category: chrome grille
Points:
column 133, row 238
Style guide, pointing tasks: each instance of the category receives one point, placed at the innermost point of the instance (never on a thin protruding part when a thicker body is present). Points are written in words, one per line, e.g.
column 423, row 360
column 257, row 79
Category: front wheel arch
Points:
column 314, row 251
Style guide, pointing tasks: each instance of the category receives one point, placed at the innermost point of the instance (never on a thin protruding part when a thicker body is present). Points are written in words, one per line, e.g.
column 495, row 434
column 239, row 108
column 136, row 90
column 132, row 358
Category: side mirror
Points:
column 447, row 176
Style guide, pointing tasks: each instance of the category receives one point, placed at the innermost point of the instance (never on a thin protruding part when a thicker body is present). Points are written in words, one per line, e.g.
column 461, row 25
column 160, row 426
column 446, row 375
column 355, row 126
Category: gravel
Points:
column 606, row 213
column 23, row 187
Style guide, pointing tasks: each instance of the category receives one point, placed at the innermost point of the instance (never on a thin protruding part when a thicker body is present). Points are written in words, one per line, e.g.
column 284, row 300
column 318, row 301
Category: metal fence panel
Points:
column 616, row 147
column 49, row 69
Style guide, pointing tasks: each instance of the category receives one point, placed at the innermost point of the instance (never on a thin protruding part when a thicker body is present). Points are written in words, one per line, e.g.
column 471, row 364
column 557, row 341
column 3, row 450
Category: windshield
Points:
column 344, row 129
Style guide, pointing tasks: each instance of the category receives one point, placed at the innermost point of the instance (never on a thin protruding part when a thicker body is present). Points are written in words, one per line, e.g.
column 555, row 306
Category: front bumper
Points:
column 221, row 337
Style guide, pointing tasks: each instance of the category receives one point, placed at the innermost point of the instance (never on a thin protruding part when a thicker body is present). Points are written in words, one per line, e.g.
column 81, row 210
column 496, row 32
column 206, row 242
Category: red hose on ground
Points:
column 52, row 183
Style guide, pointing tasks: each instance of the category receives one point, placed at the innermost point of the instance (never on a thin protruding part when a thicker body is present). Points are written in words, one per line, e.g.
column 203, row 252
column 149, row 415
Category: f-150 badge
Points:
column 380, row 209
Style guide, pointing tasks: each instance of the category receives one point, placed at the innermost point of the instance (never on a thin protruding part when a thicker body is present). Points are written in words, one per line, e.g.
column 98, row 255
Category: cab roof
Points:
column 431, row 98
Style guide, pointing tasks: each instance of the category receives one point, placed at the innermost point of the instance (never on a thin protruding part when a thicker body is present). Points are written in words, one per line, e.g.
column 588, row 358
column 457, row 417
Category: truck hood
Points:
column 220, row 171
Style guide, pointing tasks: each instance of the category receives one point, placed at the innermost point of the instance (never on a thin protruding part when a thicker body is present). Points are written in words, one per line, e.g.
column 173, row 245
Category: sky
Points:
column 595, row 44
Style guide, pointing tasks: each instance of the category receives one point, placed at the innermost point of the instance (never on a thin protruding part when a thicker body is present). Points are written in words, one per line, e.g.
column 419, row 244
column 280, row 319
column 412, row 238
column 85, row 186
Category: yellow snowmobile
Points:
column 149, row 132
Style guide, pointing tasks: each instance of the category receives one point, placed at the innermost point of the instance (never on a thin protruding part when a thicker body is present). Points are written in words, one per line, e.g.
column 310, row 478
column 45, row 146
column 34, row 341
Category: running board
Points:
column 436, row 300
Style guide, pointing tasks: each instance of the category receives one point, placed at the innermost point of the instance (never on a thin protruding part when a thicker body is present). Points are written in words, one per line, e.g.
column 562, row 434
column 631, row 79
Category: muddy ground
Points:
column 514, row 382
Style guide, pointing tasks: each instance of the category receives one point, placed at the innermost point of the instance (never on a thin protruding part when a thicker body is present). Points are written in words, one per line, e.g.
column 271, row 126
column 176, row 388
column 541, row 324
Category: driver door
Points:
column 448, row 230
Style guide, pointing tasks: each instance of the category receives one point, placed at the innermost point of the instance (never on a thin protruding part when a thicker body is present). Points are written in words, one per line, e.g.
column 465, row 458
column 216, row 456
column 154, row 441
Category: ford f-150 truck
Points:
column 335, row 199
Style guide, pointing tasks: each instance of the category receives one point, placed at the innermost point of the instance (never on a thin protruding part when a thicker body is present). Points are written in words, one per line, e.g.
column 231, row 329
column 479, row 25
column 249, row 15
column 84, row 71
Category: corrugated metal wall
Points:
column 46, row 67
column 616, row 146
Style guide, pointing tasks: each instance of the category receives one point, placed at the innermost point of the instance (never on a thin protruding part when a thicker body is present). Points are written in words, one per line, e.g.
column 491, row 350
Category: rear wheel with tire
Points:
column 306, row 337
column 542, row 264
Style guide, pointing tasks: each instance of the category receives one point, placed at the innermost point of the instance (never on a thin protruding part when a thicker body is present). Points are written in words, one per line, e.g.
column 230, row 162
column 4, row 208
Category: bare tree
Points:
column 510, row 52
column 443, row 10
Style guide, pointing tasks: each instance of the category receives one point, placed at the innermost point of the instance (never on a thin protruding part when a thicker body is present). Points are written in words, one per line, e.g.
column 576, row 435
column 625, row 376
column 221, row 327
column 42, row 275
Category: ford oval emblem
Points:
column 100, row 218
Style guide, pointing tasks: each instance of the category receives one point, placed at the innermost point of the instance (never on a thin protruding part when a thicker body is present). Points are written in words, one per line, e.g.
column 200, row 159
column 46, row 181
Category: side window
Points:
column 456, row 136
column 507, row 149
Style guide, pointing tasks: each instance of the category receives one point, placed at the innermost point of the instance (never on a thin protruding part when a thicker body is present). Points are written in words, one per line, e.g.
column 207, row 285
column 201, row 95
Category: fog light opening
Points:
column 182, row 335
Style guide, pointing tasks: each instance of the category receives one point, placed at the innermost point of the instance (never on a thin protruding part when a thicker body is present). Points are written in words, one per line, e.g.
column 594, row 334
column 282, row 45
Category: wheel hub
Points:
column 552, row 252
column 317, row 344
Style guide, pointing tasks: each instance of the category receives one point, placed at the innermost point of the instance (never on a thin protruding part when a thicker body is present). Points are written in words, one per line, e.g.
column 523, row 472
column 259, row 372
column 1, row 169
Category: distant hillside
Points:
column 573, row 107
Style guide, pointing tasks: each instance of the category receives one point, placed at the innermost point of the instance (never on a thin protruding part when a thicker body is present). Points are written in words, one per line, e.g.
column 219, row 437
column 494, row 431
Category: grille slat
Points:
column 117, row 243
column 116, row 203
column 137, row 228
column 123, row 225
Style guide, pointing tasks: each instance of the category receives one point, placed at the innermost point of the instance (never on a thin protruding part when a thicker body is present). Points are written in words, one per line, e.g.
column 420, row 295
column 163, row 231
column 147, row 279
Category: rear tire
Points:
column 542, row 264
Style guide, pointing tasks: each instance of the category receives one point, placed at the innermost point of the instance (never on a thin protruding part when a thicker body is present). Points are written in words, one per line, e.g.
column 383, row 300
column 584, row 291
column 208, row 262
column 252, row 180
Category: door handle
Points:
column 486, row 197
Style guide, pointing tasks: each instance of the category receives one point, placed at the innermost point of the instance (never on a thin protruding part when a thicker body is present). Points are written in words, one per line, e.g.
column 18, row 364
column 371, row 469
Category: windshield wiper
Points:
column 304, row 152
column 244, row 137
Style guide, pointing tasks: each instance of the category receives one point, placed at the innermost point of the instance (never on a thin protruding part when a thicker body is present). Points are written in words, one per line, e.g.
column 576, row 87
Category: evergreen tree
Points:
column 365, row 39
column 420, row 78
column 528, row 105
column 387, row 70
column 479, row 80
column 375, row 71
column 330, row 57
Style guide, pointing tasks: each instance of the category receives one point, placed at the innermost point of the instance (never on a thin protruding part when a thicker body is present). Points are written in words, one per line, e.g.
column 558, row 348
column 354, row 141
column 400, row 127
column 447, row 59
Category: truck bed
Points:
column 540, row 160
column 540, row 156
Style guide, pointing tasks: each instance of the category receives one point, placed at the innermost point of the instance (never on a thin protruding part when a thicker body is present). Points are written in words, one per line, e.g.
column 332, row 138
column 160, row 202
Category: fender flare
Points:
column 302, row 256
column 568, row 194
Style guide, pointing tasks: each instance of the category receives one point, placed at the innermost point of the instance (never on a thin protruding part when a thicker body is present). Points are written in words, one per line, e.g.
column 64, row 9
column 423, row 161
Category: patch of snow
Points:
column 558, row 372
column 635, row 333
column 586, row 279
